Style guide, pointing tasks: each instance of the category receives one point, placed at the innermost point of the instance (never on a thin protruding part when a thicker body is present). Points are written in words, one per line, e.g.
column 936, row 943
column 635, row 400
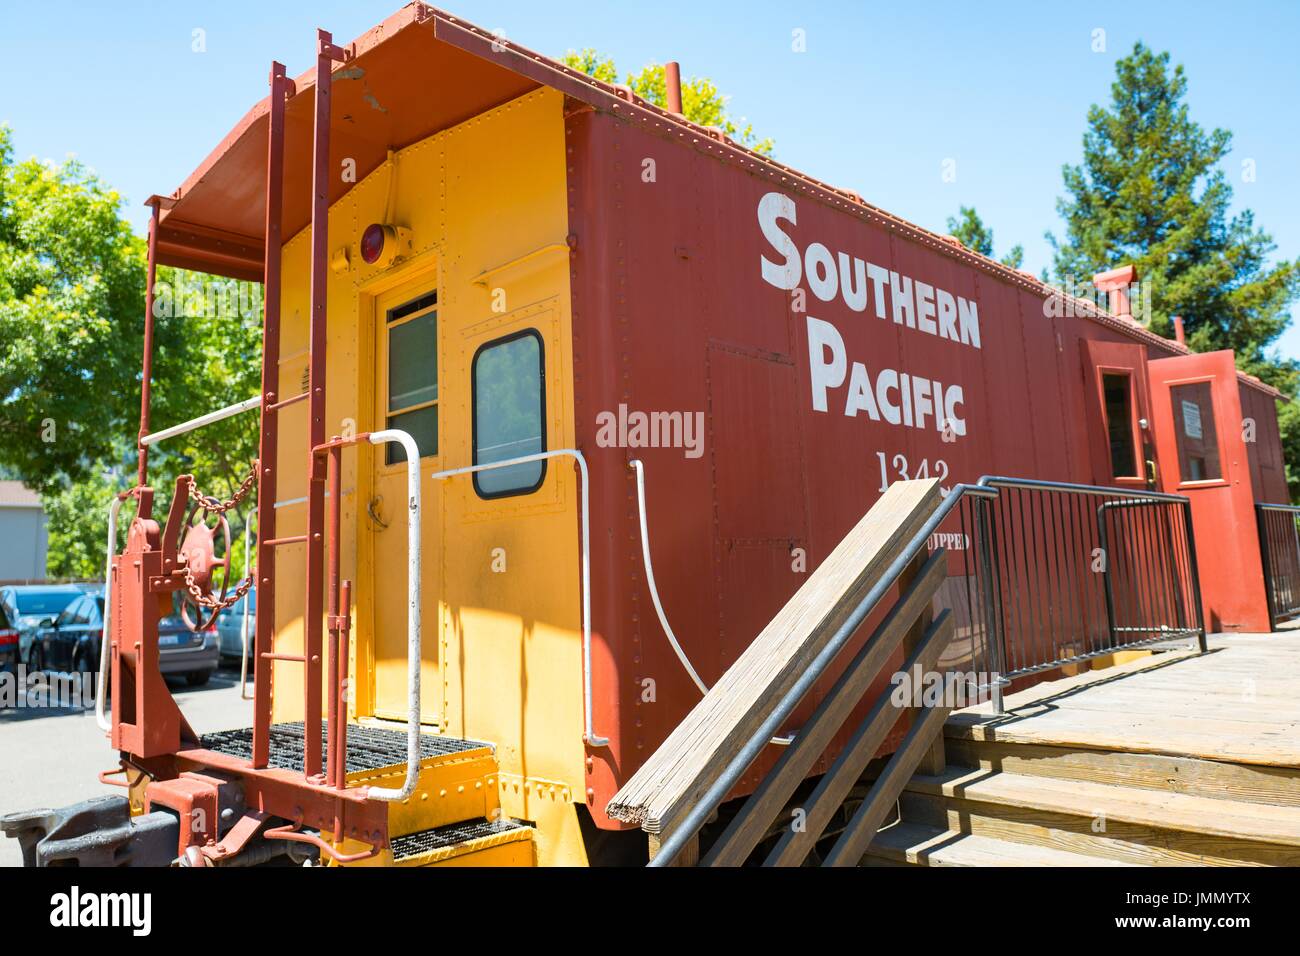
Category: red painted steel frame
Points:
column 326, row 54
column 142, row 472
column 264, row 631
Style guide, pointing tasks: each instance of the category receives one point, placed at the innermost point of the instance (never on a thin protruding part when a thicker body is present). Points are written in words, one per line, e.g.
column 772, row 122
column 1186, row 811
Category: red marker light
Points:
column 372, row 243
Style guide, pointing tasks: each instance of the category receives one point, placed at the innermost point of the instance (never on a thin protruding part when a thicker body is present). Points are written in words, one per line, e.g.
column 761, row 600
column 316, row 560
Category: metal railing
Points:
column 1050, row 574
column 1039, row 575
column 1279, row 547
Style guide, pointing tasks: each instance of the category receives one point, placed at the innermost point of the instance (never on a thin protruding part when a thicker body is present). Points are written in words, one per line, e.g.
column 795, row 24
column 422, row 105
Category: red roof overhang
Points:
column 421, row 71
column 418, row 72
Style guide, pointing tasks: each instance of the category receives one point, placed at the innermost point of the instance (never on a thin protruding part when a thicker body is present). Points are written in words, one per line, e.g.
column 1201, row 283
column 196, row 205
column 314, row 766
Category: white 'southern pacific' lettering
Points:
column 905, row 300
column 889, row 395
column 898, row 398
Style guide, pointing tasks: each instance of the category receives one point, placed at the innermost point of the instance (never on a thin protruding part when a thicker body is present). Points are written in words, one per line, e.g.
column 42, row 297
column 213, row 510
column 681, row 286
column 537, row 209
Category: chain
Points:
column 203, row 600
column 214, row 506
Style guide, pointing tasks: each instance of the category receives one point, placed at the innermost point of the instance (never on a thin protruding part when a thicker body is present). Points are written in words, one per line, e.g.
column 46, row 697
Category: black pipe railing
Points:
column 1279, row 546
column 1041, row 575
column 1083, row 571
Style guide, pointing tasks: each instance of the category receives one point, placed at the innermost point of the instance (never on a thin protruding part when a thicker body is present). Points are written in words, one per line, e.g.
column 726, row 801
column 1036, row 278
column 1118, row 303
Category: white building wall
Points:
column 23, row 543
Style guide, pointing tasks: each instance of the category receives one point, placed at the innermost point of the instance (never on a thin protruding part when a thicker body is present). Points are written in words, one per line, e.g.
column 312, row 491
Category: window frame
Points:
column 1134, row 422
column 414, row 308
column 1211, row 381
column 473, row 410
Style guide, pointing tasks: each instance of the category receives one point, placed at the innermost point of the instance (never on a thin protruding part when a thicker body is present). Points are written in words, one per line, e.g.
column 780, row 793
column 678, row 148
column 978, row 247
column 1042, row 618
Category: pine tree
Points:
column 1150, row 191
column 970, row 229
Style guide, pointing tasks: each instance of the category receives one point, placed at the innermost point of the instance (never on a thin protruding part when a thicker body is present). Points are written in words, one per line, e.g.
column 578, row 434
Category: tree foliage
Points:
column 970, row 229
column 72, row 278
column 1151, row 191
column 71, row 286
column 702, row 102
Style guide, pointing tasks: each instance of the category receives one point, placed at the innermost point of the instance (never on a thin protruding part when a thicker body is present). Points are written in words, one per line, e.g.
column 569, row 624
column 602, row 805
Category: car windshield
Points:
column 43, row 602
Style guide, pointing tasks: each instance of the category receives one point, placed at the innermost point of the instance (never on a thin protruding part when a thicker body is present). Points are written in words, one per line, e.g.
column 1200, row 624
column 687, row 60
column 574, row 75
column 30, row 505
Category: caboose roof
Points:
column 421, row 71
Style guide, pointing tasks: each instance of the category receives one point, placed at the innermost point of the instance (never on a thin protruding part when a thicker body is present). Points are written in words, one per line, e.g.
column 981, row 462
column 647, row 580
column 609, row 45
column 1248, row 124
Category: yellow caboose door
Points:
column 407, row 373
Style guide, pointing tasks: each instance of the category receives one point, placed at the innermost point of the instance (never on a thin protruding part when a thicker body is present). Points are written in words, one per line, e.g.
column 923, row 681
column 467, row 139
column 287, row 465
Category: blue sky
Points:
column 882, row 96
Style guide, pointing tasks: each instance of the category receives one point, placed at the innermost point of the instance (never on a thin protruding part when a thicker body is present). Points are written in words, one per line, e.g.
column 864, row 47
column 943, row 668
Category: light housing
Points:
column 378, row 244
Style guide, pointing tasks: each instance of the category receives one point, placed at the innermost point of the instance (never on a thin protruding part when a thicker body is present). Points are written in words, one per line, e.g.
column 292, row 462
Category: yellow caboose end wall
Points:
column 486, row 209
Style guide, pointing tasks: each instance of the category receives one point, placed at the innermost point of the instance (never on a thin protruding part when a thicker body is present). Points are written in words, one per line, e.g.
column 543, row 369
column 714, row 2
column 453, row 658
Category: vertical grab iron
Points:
column 264, row 630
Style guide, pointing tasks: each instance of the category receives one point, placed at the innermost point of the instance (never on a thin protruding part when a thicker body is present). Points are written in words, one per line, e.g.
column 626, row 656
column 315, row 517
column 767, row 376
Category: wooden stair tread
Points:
column 1232, row 819
column 1246, row 742
column 930, row 846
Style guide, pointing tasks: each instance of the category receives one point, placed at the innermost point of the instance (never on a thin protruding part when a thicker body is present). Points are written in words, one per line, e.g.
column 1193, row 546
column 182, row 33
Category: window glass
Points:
column 1198, row 445
column 509, row 413
column 69, row 614
column 413, row 376
column 81, row 611
column 46, row 603
column 1119, row 424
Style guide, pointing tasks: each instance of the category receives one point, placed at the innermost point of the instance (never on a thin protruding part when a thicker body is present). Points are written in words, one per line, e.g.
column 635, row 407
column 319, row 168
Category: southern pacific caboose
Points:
column 475, row 256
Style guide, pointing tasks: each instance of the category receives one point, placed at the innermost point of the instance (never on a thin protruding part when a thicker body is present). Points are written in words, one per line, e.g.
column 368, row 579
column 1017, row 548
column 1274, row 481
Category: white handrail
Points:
column 221, row 413
column 636, row 466
column 101, row 679
column 589, row 734
column 414, row 653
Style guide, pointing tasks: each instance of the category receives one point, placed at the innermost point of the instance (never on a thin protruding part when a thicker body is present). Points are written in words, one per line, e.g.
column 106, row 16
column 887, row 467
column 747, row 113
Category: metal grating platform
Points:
column 425, row 841
column 369, row 748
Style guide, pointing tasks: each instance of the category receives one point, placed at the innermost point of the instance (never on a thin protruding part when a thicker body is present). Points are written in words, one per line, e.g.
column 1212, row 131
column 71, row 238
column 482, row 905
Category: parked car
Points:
column 230, row 623
column 8, row 642
column 70, row 642
column 26, row 605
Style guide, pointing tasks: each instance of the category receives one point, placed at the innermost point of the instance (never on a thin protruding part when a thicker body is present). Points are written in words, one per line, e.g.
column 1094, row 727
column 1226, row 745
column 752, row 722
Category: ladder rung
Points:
column 288, row 401
column 295, row 658
column 291, row 539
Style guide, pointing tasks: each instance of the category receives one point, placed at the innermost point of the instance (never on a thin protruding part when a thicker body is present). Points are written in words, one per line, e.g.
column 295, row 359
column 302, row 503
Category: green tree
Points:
column 77, row 516
column 970, row 229
column 71, row 332
column 1151, row 191
column 71, row 286
column 701, row 100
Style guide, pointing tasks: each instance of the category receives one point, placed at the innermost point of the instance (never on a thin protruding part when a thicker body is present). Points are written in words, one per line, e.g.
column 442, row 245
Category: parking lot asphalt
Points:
column 51, row 757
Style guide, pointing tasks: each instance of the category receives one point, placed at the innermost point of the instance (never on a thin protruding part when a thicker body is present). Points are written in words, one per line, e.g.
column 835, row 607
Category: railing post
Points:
column 992, row 610
column 688, row 855
column 1194, row 571
column 934, row 760
column 1108, row 584
column 1266, row 558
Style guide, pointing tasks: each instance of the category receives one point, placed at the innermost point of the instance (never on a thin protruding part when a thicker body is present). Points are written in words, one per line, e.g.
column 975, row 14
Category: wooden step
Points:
column 1132, row 824
column 911, row 843
column 1251, row 783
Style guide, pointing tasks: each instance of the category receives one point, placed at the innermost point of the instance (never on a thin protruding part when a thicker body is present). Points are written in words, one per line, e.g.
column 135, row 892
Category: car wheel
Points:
column 35, row 659
column 198, row 678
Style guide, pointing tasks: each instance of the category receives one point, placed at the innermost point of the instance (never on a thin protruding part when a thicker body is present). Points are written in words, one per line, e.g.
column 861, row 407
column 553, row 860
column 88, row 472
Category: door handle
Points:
column 1153, row 472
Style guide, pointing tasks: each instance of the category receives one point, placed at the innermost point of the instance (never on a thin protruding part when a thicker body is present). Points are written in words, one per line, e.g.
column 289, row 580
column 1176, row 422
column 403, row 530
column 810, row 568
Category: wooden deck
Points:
column 1171, row 759
column 1238, row 703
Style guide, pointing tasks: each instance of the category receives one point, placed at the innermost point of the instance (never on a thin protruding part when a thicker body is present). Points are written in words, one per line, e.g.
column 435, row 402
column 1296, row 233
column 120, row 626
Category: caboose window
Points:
column 1119, row 424
column 509, row 383
column 413, row 376
column 1198, row 442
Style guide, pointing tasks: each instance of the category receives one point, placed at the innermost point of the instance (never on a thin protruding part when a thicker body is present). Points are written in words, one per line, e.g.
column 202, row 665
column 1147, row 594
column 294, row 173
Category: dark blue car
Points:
column 71, row 642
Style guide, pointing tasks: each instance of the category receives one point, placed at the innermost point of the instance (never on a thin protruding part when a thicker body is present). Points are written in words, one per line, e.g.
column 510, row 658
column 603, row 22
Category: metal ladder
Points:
column 327, row 53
